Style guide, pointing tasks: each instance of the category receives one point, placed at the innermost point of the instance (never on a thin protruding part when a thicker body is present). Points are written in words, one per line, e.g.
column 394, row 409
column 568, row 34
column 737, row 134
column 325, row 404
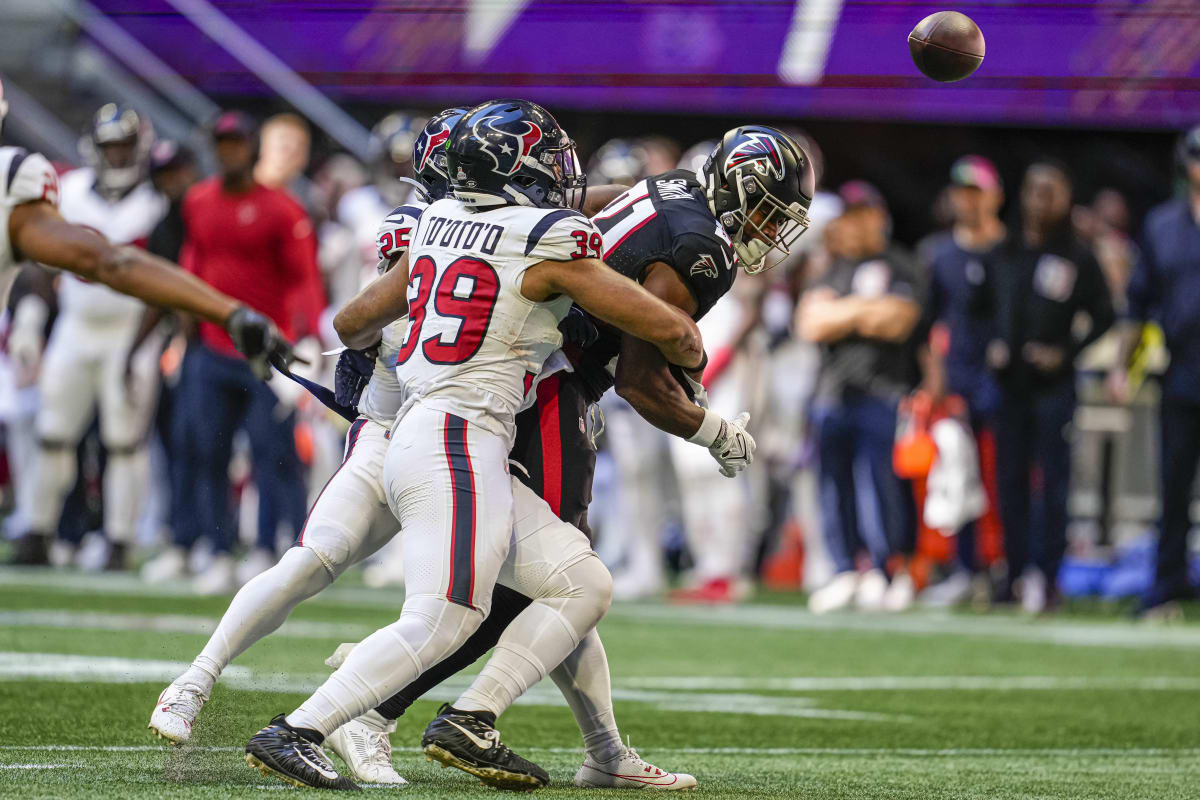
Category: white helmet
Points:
column 114, row 125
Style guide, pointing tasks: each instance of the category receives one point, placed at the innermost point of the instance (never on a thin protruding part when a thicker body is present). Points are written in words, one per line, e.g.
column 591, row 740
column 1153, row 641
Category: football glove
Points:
column 577, row 328
column 353, row 372
column 727, row 441
column 257, row 338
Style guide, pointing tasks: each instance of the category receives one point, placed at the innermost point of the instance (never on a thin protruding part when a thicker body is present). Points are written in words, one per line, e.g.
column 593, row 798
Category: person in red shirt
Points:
column 256, row 244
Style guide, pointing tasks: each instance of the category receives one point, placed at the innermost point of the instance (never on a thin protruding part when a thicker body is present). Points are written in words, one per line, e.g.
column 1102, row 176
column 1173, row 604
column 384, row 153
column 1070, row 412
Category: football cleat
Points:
column 282, row 751
column 627, row 770
column 469, row 741
column 176, row 711
column 367, row 751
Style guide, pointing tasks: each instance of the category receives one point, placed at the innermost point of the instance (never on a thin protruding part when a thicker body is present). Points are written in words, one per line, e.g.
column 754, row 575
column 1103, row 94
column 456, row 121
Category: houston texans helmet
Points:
column 514, row 152
column 117, row 146
column 3, row 106
column 429, row 153
column 759, row 184
column 390, row 151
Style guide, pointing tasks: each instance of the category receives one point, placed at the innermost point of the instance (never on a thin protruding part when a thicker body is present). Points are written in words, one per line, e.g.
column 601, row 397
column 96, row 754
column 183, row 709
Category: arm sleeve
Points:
column 32, row 179
column 563, row 235
column 298, row 260
column 394, row 235
column 706, row 266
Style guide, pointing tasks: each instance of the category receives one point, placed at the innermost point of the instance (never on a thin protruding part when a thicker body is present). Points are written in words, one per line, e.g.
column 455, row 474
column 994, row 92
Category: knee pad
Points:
column 587, row 579
column 300, row 570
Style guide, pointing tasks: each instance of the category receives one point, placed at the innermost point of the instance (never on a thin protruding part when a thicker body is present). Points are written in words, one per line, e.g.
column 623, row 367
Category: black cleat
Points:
column 469, row 741
column 288, row 754
column 31, row 550
column 118, row 557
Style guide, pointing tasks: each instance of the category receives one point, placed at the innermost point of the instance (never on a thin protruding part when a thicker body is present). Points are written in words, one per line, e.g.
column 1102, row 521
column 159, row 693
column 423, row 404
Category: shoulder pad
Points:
column 30, row 177
column 562, row 235
column 394, row 235
column 706, row 264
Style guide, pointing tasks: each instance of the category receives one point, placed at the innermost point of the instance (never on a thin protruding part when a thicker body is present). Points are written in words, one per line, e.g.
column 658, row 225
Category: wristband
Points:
column 710, row 429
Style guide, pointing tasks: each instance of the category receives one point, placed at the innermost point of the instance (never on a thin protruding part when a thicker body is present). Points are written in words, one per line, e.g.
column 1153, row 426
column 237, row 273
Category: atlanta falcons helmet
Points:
column 514, row 152
column 429, row 153
column 116, row 144
column 759, row 184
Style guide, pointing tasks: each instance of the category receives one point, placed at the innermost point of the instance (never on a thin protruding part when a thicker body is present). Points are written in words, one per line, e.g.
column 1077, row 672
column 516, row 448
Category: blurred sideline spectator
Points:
column 257, row 244
column 1165, row 288
column 1029, row 292
column 957, row 363
column 863, row 312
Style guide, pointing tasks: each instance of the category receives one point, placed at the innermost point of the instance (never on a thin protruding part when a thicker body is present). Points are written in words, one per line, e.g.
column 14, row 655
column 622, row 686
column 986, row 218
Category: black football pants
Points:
column 558, row 461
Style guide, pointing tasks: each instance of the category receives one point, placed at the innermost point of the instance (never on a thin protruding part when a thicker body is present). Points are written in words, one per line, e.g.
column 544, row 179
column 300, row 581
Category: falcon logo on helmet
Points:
column 761, row 151
column 506, row 149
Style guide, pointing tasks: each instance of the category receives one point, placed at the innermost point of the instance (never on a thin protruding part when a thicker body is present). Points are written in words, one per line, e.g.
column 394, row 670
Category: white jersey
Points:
column 24, row 177
column 474, row 343
column 127, row 220
column 381, row 400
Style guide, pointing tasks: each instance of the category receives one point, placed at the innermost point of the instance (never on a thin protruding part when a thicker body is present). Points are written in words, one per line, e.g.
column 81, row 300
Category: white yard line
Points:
column 172, row 623
column 1074, row 633
column 901, row 752
column 104, row 669
column 37, row 766
column 907, row 683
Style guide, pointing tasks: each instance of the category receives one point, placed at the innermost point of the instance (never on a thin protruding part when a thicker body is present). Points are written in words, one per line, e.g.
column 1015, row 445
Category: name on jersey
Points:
column 462, row 234
column 674, row 189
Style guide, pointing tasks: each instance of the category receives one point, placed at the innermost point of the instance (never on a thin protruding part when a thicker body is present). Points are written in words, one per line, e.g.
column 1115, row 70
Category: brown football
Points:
column 946, row 46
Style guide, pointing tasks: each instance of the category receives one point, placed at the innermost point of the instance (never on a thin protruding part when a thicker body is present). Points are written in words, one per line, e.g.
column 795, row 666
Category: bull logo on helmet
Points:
column 432, row 142
column 505, row 148
column 760, row 150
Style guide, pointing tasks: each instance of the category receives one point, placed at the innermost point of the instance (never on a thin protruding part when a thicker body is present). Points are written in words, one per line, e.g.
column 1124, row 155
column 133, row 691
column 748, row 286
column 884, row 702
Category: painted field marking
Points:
column 902, row 752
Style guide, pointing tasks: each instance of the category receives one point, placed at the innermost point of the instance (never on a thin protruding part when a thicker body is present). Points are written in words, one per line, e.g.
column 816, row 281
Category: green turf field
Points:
column 756, row 701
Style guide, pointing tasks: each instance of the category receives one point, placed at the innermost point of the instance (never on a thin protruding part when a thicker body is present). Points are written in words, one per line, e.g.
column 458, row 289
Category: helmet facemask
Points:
column 568, row 182
column 762, row 225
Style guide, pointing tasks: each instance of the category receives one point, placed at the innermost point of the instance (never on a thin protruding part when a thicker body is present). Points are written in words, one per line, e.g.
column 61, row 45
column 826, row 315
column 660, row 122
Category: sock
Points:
column 125, row 479
column 584, row 681
column 541, row 636
column 258, row 608
column 430, row 628
column 377, row 722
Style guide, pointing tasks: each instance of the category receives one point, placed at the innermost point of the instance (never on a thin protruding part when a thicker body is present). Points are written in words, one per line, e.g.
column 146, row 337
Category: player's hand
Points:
column 1116, row 384
column 734, row 446
column 1044, row 357
column 578, row 328
column 353, row 372
column 257, row 338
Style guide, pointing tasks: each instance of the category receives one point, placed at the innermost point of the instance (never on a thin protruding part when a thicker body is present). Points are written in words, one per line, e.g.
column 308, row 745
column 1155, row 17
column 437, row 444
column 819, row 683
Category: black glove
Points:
column 578, row 328
column 257, row 338
column 353, row 372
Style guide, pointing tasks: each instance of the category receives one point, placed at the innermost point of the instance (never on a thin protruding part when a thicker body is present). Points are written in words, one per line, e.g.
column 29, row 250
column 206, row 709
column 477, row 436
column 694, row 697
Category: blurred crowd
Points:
column 915, row 409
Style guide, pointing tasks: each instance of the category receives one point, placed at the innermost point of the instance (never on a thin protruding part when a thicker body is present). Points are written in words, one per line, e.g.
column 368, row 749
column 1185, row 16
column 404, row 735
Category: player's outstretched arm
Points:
column 360, row 323
column 40, row 233
column 609, row 296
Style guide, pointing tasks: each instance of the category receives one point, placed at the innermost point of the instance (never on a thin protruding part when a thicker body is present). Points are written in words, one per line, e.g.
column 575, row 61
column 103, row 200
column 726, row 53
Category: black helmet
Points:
column 513, row 151
column 429, row 153
column 759, row 184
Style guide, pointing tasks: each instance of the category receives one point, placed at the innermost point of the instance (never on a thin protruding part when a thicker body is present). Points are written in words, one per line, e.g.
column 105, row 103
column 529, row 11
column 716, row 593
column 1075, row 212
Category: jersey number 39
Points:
column 467, row 292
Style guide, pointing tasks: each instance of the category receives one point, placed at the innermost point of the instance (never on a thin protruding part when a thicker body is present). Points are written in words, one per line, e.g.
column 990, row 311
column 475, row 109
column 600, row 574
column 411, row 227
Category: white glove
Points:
column 727, row 441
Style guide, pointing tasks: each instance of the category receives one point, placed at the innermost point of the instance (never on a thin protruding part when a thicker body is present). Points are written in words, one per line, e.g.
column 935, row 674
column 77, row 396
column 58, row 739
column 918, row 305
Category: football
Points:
column 946, row 46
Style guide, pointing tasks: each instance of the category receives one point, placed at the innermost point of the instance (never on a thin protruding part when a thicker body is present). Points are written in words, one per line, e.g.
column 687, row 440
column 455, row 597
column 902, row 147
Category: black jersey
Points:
column 663, row 218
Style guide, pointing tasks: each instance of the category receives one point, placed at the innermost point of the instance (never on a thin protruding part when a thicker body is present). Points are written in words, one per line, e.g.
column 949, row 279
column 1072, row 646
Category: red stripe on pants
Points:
column 551, row 436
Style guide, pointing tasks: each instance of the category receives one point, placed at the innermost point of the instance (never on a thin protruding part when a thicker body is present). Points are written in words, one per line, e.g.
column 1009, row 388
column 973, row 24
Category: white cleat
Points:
column 176, row 710
column 872, row 589
column 900, row 594
column 835, row 595
column 627, row 770
column 366, row 749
